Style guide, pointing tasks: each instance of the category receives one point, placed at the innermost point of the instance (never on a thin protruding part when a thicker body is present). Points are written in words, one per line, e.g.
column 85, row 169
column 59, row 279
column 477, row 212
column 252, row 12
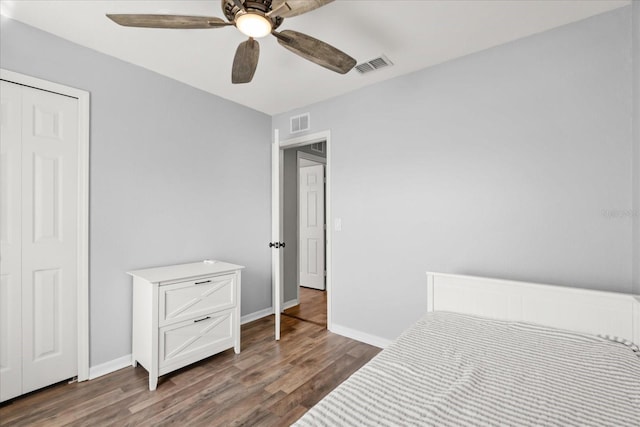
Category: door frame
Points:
column 82, row 273
column 276, row 175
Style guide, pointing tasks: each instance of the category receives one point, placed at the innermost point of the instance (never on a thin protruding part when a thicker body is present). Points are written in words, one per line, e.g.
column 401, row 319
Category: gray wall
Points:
column 636, row 145
column 177, row 175
column 506, row 163
column 290, row 220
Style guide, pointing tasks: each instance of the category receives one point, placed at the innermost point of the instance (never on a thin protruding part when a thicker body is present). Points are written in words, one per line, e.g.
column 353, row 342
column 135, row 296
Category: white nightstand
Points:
column 184, row 313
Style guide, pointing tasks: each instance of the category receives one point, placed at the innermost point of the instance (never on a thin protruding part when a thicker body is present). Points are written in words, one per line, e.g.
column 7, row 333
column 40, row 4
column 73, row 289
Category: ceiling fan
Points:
column 255, row 19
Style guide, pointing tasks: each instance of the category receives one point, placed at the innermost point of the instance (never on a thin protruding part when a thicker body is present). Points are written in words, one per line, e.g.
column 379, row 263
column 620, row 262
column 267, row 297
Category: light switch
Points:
column 337, row 224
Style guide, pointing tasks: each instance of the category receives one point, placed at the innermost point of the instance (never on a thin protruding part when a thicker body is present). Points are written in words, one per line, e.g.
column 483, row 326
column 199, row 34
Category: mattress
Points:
column 452, row 369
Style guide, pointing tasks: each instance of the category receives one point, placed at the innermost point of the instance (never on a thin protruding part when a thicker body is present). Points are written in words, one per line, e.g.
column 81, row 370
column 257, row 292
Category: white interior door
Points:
column 276, row 278
column 40, row 190
column 10, row 241
column 311, row 227
column 49, row 237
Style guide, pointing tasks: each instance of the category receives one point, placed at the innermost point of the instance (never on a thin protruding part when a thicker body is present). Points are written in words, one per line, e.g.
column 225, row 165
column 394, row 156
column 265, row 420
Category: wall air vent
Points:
column 300, row 123
column 318, row 147
column 375, row 64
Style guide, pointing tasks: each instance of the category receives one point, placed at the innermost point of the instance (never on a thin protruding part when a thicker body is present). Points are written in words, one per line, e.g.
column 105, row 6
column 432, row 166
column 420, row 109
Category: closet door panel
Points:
column 10, row 241
column 49, row 236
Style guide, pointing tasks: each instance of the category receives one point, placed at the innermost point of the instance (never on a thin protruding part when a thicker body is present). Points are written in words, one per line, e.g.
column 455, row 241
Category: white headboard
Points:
column 581, row 310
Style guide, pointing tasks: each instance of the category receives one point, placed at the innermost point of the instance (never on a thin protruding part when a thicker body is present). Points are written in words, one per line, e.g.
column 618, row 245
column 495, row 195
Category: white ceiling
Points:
column 413, row 34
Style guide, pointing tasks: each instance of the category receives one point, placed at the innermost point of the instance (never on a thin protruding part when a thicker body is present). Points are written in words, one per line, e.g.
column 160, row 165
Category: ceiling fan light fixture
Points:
column 253, row 25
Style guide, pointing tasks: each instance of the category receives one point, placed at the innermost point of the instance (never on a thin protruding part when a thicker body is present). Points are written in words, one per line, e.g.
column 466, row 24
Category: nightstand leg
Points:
column 236, row 341
column 153, row 382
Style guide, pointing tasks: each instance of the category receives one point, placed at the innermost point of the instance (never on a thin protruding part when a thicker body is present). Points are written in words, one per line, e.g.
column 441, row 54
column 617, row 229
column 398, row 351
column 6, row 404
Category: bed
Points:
column 496, row 352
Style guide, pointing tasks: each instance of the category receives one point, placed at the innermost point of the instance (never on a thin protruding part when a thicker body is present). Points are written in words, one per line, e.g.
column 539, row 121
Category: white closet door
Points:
column 10, row 241
column 311, row 227
column 49, row 238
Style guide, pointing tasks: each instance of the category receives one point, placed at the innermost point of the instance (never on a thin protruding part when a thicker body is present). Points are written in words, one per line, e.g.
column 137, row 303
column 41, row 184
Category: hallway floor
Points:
column 312, row 307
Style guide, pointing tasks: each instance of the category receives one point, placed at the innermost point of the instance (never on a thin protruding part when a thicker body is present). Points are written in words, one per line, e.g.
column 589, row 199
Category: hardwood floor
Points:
column 312, row 307
column 268, row 384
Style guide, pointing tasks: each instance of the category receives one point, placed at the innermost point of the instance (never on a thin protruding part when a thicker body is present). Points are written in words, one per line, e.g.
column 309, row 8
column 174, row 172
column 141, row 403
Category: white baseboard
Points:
column 256, row 315
column 290, row 304
column 266, row 312
column 360, row 336
column 109, row 367
column 124, row 361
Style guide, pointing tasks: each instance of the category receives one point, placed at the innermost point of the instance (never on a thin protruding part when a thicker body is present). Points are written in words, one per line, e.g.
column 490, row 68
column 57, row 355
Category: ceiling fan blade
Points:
column 298, row 7
column 167, row 21
column 239, row 5
column 316, row 51
column 245, row 62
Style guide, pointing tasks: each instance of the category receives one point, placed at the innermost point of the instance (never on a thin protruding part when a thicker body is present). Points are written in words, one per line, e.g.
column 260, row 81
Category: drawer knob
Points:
column 200, row 320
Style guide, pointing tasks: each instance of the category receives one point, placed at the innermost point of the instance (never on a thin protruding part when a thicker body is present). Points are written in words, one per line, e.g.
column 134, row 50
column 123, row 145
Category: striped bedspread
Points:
column 458, row 370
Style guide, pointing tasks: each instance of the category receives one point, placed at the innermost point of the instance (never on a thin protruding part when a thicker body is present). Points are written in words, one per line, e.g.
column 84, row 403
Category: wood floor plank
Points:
column 270, row 383
column 182, row 400
column 259, row 418
column 317, row 386
column 292, row 416
column 83, row 409
column 300, row 372
column 235, row 408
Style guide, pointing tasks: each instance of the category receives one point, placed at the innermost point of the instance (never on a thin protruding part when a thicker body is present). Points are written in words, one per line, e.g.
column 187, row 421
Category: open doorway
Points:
column 303, row 215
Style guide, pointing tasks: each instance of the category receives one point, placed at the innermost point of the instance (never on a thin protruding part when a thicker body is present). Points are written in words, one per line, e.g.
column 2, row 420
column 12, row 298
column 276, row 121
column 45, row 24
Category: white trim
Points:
column 299, row 155
column 361, row 336
column 252, row 317
column 247, row 318
column 125, row 361
column 276, row 229
column 281, row 229
column 306, row 140
column 282, row 214
column 290, row 304
column 83, row 98
column 109, row 367
column 299, row 141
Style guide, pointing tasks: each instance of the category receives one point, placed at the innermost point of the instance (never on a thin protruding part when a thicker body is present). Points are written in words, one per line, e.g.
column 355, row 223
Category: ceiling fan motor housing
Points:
column 261, row 7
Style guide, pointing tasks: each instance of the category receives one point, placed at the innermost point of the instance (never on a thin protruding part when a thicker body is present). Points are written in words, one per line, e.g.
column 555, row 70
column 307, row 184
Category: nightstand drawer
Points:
column 195, row 298
column 186, row 342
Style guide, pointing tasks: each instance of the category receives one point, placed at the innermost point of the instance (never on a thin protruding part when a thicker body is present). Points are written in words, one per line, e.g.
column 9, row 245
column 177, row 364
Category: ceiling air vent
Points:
column 375, row 64
column 300, row 123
